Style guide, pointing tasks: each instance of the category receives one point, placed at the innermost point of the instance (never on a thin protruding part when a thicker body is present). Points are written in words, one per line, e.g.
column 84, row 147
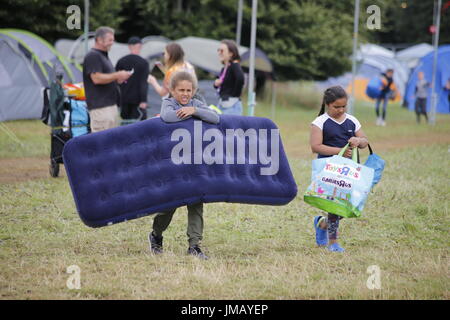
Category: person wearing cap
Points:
column 133, row 103
column 100, row 82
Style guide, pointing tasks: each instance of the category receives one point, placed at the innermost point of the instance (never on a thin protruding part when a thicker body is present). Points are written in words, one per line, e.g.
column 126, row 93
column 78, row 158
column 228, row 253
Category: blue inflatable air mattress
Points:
column 136, row 170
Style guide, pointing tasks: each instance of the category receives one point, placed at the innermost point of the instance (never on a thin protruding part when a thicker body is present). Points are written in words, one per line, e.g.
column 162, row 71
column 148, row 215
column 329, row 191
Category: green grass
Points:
column 34, row 136
column 257, row 252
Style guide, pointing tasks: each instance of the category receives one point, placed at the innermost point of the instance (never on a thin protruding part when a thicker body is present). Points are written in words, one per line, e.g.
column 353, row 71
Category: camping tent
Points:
column 74, row 49
column 442, row 76
column 67, row 48
column 21, row 82
column 46, row 53
column 201, row 52
column 27, row 64
column 370, row 49
column 412, row 55
column 372, row 61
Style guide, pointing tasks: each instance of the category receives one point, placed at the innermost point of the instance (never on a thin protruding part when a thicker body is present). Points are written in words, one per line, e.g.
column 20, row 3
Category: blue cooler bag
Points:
column 339, row 185
column 79, row 118
column 374, row 88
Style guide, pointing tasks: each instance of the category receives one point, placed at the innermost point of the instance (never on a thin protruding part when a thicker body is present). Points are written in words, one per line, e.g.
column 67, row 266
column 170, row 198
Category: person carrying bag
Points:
column 331, row 131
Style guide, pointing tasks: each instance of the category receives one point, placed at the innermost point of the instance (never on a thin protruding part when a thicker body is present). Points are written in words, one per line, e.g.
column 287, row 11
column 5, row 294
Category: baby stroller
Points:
column 67, row 115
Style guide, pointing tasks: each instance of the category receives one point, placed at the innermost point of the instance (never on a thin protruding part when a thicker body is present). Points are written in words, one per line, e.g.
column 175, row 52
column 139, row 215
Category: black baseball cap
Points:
column 134, row 40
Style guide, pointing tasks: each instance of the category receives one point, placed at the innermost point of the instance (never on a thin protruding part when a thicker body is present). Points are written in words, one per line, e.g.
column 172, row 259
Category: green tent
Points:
column 27, row 65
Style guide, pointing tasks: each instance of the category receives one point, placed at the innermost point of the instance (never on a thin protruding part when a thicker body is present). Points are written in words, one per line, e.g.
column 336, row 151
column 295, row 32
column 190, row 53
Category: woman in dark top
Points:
column 231, row 79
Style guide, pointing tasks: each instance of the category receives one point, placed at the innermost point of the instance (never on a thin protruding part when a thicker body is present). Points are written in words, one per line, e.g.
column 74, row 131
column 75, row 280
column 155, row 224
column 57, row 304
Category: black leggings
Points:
column 421, row 108
column 333, row 226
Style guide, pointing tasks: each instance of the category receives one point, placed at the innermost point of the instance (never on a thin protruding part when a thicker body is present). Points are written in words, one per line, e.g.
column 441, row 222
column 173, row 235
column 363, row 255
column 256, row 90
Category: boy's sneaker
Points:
column 335, row 247
column 197, row 252
column 156, row 243
column 321, row 234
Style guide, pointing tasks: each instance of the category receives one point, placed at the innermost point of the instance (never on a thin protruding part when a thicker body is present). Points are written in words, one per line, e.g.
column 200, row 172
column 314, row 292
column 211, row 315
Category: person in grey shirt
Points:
column 421, row 94
column 173, row 111
column 180, row 107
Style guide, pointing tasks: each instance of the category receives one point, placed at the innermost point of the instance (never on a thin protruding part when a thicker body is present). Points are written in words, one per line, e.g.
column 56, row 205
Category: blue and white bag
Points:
column 375, row 162
column 339, row 185
column 79, row 118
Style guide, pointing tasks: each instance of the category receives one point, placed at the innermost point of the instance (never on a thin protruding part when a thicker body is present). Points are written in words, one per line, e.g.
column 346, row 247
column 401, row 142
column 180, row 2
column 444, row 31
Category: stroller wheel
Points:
column 54, row 168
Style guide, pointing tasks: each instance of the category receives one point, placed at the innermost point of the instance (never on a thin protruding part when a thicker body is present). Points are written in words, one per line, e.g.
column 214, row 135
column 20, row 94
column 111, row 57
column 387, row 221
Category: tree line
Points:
column 305, row 39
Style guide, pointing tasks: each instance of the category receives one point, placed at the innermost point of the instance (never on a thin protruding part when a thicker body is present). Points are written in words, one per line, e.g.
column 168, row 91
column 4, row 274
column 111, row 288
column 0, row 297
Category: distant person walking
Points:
column 173, row 62
column 133, row 102
column 387, row 92
column 421, row 94
column 100, row 82
column 231, row 79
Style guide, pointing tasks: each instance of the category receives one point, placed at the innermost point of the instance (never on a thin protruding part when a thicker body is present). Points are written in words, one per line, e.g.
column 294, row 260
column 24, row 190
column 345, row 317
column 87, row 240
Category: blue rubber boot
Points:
column 321, row 234
column 335, row 247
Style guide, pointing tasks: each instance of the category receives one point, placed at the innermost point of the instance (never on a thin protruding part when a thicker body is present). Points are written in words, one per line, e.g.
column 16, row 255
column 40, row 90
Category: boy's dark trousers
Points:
column 421, row 108
column 195, row 223
column 385, row 98
column 132, row 111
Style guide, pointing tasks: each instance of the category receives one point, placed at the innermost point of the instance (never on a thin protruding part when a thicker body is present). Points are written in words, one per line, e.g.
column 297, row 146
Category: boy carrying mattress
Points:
column 180, row 106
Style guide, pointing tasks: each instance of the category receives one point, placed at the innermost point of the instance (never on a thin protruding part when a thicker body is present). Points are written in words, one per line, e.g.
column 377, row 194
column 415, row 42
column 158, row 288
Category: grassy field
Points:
column 257, row 252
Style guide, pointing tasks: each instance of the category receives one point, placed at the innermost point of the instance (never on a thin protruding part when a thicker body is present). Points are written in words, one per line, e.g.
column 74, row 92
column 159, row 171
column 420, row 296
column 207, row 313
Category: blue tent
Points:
column 442, row 76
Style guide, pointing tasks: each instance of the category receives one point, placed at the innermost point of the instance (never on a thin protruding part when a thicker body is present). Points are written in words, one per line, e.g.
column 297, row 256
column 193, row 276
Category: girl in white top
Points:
column 330, row 132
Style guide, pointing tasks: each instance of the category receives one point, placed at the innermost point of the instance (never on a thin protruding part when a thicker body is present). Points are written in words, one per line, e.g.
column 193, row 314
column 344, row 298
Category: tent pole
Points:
column 437, row 18
column 86, row 26
column 274, row 97
column 351, row 108
column 251, row 76
column 239, row 23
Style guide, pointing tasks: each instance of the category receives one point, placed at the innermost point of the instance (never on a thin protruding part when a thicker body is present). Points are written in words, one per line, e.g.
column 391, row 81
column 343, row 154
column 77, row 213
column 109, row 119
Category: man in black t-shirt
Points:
column 100, row 82
column 133, row 104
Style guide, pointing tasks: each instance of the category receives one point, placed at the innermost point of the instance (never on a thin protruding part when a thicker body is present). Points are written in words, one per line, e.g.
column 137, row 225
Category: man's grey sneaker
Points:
column 156, row 243
column 197, row 252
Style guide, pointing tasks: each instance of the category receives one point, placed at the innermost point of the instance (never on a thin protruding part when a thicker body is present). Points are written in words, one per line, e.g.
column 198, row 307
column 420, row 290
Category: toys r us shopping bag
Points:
column 339, row 185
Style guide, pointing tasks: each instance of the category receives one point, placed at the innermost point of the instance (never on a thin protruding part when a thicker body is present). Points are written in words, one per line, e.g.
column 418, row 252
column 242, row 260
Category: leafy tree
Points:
column 305, row 39
column 300, row 37
column 408, row 22
column 178, row 19
column 48, row 18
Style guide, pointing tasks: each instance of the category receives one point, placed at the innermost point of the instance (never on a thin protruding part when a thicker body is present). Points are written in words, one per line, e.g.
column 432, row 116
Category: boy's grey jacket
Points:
column 169, row 107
